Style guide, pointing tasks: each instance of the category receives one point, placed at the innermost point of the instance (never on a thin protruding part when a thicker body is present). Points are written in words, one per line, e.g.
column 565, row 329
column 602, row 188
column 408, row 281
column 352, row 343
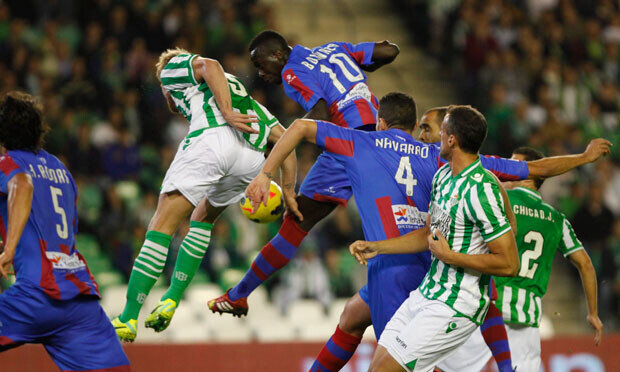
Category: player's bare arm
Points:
column 320, row 111
column 412, row 242
column 300, row 130
column 556, row 165
column 288, row 174
column 211, row 72
column 502, row 261
column 19, row 202
column 582, row 262
column 383, row 53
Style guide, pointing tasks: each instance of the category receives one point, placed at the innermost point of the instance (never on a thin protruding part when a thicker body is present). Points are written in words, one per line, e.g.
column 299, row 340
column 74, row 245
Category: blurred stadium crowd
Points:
column 545, row 73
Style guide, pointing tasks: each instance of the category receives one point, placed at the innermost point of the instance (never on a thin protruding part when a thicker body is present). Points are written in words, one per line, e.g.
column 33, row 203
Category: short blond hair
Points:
column 165, row 57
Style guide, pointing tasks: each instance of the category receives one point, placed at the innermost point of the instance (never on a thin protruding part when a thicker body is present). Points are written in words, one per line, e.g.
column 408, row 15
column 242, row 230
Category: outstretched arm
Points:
column 412, row 242
column 211, row 72
column 383, row 53
column 19, row 203
column 556, row 165
column 582, row 262
column 288, row 174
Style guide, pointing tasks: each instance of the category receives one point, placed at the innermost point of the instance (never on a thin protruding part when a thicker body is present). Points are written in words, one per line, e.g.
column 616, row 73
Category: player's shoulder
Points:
column 9, row 161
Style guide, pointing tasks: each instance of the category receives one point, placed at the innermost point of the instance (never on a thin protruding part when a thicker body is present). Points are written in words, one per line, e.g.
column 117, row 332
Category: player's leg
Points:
column 17, row 318
column 495, row 336
column 472, row 356
column 525, row 346
column 172, row 208
column 325, row 186
column 85, row 339
column 189, row 258
column 354, row 320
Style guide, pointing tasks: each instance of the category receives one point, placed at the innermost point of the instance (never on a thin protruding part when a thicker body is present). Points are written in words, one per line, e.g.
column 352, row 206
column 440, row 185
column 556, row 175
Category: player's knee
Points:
column 355, row 318
column 313, row 211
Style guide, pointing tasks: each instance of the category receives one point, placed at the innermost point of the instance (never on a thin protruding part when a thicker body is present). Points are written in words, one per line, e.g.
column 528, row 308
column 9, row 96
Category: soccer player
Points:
column 366, row 158
column 54, row 300
column 329, row 83
column 541, row 231
column 212, row 167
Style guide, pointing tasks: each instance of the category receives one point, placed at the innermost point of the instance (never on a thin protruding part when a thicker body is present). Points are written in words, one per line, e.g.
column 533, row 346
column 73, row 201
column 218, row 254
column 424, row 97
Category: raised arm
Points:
column 20, row 190
column 211, row 72
column 582, row 262
column 288, row 174
column 556, row 165
column 383, row 53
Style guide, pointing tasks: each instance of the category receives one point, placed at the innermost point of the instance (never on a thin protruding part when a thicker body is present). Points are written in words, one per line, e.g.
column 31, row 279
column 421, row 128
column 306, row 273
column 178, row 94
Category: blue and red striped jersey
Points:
column 46, row 256
column 391, row 175
column 332, row 72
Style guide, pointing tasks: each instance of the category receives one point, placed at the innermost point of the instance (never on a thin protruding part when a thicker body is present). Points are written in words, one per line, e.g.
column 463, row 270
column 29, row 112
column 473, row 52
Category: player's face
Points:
column 445, row 150
column 269, row 67
column 429, row 128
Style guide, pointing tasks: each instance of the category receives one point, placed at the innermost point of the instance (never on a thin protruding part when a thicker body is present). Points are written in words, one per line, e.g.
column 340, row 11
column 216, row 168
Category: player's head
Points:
column 528, row 154
column 269, row 53
column 165, row 57
column 21, row 122
column 397, row 110
column 430, row 124
column 463, row 129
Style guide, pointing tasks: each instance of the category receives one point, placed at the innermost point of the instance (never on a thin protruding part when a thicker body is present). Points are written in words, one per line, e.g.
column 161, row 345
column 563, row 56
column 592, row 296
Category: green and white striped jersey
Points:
column 541, row 230
column 469, row 211
column 197, row 103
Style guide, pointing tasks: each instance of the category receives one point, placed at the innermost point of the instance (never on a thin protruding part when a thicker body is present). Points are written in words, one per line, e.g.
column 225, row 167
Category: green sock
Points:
column 191, row 252
column 146, row 270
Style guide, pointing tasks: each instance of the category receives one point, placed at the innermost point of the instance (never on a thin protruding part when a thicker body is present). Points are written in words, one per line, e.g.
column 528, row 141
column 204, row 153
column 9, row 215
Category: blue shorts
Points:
column 391, row 278
column 327, row 181
column 76, row 333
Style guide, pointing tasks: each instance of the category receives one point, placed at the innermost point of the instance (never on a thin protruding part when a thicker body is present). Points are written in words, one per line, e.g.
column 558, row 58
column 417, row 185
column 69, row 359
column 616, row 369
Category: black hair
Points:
column 530, row 154
column 398, row 110
column 21, row 122
column 269, row 39
column 469, row 127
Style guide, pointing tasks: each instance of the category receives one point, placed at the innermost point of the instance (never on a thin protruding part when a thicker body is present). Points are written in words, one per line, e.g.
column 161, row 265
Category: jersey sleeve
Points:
column 178, row 74
column 569, row 243
column 361, row 53
column 8, row 169
column 486, row 209
column 505, row 169
column 335, row 140
column 301, row 86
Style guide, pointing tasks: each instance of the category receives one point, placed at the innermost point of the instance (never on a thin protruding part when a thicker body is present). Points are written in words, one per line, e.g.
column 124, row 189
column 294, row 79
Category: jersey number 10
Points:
column 339, row 59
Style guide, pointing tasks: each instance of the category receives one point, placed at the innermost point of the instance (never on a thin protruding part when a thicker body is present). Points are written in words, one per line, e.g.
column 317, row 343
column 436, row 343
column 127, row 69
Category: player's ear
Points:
column 382, row 124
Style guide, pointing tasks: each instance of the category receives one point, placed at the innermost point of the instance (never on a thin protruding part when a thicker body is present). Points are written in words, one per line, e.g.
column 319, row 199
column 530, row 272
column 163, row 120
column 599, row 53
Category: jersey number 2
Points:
column 61, row 230
column 531, row 255
column 404, row 175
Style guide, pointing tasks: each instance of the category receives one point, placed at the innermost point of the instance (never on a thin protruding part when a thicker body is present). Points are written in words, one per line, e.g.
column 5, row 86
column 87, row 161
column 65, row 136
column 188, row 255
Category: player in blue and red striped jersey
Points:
column 330, row 84
column 55, row 299
column 390, row 173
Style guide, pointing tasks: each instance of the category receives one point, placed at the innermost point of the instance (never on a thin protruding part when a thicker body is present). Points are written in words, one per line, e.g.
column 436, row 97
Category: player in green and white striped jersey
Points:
column 468, row 209
column 541, row 232
column 223, row 151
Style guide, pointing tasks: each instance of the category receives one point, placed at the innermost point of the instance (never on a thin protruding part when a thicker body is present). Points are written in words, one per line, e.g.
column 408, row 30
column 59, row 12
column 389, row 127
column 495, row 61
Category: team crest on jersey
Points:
column 477, row 177
column 408, row 216
column 290, row 77
column 62, row 261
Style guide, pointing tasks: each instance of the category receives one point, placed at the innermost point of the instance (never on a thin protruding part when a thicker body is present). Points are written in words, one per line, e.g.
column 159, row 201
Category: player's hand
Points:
column 363, row 251
column 439, row 246
column 290, row 200
column 258, row 191
column 240, row 121
column 6, row 260
column 597, row 325
column 597, row 148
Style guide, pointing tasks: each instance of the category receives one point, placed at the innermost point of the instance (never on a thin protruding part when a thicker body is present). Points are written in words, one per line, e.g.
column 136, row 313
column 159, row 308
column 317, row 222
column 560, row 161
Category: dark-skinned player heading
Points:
column 328, row 82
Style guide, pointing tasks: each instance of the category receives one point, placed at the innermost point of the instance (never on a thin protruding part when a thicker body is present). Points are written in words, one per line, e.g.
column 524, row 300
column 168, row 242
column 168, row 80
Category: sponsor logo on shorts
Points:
column 451, row 327
column 330, row 190
column 408, row 216
column 401, row 342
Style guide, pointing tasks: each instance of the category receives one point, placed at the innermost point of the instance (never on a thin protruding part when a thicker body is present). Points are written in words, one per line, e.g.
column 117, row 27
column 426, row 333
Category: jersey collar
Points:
column 468, row 168
column 529, row 191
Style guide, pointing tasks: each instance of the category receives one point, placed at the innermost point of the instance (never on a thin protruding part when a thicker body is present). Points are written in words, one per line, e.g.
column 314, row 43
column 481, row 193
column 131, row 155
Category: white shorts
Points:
column 472, row 356
column 218, row 164
column 524, row 344
column 424, row 332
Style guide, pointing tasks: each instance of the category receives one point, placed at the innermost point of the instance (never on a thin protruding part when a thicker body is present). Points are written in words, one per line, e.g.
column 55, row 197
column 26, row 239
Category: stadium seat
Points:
column 369, row 335
column 274, row 332
column 258, row 298
column 335, row 309
column 113, row 299
column 199, row 294
column 306, row 312
column 316, row 332
column 226, row 328
column 546, row 328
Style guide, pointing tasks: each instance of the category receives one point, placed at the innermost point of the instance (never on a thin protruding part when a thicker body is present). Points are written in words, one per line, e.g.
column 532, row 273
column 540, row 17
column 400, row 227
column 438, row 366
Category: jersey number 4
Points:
column 340, row 59
column 404, row 175
column 61, row 230
column 531, row 255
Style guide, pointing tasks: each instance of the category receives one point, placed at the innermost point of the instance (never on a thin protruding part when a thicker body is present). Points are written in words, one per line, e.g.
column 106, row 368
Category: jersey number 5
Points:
column 531, row 255
column 404, row 175
column 61, row 230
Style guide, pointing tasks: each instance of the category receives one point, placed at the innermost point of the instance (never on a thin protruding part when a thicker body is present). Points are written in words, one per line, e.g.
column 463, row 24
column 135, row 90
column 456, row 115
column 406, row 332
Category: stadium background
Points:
column 545, row 73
